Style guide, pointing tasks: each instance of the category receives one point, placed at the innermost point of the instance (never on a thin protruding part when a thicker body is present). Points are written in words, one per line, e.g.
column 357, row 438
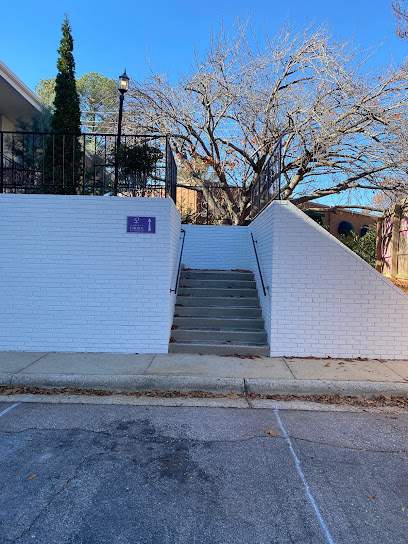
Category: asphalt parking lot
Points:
column 75, row 473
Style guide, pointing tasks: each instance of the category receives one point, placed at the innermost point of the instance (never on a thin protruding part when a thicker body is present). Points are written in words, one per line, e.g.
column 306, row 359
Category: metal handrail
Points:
column 179, row 266
column 257, row 260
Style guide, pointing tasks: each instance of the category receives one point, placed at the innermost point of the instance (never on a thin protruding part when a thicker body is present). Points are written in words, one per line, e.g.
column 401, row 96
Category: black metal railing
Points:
column 267, row 186
column 52, row 163
column 171, row 172
column 210, row 205
column 183, row 236
column 257, row 262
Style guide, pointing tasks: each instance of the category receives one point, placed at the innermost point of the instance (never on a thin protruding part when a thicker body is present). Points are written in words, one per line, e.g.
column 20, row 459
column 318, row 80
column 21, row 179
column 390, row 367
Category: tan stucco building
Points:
column 338, row 220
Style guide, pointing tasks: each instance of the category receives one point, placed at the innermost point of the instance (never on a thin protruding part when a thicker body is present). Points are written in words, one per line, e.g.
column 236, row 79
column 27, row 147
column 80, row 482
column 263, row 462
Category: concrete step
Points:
column 215, row 292
column 217, row 284
column 217, row 275
column 217, row 301
column 220, row 335
column 218, row 322
column 217, row 312
column 213, row 348
column 221, row 311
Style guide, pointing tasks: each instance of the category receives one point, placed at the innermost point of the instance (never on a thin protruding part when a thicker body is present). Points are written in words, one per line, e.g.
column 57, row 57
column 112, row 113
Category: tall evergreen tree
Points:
column 67, row 113
column 63, row 154
column 98, row 96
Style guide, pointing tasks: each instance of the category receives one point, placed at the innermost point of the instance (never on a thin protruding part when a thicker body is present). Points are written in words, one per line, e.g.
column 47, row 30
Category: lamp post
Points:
column 123, row 86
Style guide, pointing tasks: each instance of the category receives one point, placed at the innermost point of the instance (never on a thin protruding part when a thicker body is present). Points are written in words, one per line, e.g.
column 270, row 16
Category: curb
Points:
column 222, row 386
column 5, row 379
column 162, row 383
column 326, row 387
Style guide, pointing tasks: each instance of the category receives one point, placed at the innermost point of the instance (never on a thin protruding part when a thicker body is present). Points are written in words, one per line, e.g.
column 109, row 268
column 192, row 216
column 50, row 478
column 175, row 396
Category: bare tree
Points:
column 401, row 16
column 343, row 128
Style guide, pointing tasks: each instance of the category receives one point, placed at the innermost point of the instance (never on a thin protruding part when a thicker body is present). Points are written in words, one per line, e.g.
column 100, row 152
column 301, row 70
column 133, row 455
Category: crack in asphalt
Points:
column 135, row 437
column 211, row 441
column 55, row 494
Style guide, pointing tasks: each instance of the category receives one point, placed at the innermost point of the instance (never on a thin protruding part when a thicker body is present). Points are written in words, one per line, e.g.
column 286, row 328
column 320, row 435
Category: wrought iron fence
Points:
column 267, row 186
column 52, row 163
column 55, row 163
column 210, row 204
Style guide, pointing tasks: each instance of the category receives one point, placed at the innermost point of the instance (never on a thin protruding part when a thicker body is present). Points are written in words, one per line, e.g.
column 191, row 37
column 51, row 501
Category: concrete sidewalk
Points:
column 192, row 372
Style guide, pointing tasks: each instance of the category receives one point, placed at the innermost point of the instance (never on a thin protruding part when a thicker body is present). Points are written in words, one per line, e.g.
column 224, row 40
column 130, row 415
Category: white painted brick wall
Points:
column 324, row 299
column 220, row 247
column 262, row 231
column 73, row 279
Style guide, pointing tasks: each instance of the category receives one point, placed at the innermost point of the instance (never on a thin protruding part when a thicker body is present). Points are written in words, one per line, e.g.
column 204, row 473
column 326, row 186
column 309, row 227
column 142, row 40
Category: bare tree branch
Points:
column 343, row 128
column 401, row 16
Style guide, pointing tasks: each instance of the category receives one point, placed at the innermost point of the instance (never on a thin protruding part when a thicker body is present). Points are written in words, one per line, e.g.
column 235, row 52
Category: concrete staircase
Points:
column 218, row 312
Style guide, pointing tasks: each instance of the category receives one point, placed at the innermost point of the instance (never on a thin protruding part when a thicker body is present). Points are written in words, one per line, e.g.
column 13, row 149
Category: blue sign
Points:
column 141, row 225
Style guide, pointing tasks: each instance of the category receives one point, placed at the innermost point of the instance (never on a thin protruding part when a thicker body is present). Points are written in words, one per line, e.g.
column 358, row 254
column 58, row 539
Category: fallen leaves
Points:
column 371, row 496
column 376, row 401
column 239, row 356
column 32, row 477
column 327, row 364
column 272, row 432
column 234, row 396
column 402, row 284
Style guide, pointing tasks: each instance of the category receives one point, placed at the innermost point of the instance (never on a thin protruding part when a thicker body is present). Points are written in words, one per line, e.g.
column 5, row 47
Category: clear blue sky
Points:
column 110, row 36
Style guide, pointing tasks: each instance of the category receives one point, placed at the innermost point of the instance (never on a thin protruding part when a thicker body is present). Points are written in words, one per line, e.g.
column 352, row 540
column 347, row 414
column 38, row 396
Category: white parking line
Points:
column 4, row 412
column 302, row 477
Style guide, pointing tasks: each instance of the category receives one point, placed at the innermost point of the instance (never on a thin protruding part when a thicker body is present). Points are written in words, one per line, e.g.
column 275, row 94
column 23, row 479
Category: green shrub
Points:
column 137, row 161
column 365, row 246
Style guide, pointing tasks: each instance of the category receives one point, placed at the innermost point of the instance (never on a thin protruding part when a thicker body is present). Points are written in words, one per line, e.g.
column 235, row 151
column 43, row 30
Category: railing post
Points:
column 166, row 174
column 174, row 180
column 1, row 162
column 83, row 163
column 280, row 169
column 43, row 163
column 63, row 163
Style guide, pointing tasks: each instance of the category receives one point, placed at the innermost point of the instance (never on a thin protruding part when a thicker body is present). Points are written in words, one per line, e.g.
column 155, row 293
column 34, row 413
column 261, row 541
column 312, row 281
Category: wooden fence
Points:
column 392, row 242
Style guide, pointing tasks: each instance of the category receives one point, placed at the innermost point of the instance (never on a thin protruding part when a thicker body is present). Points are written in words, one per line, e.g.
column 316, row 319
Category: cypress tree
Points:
column 63, row 152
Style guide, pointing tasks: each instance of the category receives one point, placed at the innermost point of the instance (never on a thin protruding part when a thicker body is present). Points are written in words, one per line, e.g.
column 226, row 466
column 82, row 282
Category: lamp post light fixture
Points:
column 123, row 86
